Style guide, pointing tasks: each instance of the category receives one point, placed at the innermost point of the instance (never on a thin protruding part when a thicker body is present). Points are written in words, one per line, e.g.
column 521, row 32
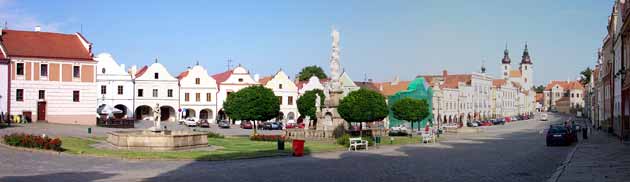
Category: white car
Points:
column 543, row 117
column 190, row 122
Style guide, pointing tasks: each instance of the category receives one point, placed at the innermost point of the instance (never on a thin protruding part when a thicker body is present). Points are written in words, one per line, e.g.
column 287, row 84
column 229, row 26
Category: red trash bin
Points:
column 298, row 148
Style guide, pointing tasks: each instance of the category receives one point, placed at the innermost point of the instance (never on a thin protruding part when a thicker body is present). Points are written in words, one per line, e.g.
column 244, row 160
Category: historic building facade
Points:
column 52, row 76
column 231, row 81
column 115, row 87
column 198, row 94
column 287, row 93
column 156, row 90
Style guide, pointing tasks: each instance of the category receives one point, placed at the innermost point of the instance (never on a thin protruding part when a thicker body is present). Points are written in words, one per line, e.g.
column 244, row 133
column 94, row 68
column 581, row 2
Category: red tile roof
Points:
column 263, row 81
column 141, row 71
column 567, row 85
column 221, row 77
column 516, row 73
column 389, row 88
column 44, row 45
column 452, row 81
column 498, row 82
column 182, row 75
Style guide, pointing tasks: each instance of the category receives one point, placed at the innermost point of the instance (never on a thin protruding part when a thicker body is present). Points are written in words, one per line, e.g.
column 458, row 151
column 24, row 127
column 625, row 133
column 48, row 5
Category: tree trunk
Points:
column 360, row 129
column 254, row 128
column 411, row 133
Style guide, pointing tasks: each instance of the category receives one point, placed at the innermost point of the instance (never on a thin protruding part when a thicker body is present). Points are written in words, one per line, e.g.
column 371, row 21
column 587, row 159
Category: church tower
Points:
column 505, row 64
column 527, row 69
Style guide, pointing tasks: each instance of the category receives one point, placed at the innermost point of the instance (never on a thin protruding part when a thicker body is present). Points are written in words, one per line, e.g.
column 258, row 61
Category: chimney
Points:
column 38, row 28
column 444, row 74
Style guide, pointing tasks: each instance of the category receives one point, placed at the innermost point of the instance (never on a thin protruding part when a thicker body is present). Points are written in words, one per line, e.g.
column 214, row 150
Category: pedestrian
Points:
column 585, row 133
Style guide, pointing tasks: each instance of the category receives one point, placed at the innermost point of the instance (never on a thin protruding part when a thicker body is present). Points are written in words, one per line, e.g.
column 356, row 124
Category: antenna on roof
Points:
column 5, row 25
column 156, row 60
column 229, row 63
column 197, row 62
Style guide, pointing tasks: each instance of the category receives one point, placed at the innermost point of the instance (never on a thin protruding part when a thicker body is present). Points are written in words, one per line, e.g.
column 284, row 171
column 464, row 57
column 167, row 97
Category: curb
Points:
column 558, row 172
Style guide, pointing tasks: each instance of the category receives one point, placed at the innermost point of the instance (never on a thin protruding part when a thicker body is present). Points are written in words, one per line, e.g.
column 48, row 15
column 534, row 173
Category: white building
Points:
column 54, row 78
column 154, row 87
column 347, row 85
column 198, row 94
column 287, row 93
column 114, row 85
column 231, row 81
column 312, row 84
column 504, row 98
column 4, row 86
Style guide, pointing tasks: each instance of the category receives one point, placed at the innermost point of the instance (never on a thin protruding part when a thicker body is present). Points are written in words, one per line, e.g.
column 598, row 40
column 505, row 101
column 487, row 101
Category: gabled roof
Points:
column 452, row 81
column 517, row 85
column 300, row 84
column 141, row 71
column 182, row 75
column 45, row 45
column 367, row 85
column 566, row 85
column 221, row 77
column 390, row 88
column 263, row 81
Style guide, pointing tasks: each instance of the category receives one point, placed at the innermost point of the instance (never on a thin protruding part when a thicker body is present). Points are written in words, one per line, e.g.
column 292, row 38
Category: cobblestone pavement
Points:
column 599, row 158
column 511, row 152
column 82, row 131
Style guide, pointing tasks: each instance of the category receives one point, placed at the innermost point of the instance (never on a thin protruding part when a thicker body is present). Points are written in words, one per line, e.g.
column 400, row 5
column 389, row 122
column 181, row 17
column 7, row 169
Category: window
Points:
column 103, row 89
column 228, row 93
column 75, row 96
column 19, row 69
column 42, row 95
column 103, row 70
column 187, row 97
column 290, row 100
column 43, row 70
column 156, row 76
column 240, row 80
column 279, row 86
column 197, row 97
column 19, row 95
column 525, row 67
column 572, row 95
column 76, row 71
column 280, row 99
column 197, row 81
column 140, row 92
column 169, row 93
column 155, row 93
column 506, row 67
column 208, row 97
column 120, row 89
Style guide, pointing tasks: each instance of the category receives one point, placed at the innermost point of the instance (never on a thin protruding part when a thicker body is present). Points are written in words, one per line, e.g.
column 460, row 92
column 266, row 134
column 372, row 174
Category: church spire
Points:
column 506, row 56
column 526, row 59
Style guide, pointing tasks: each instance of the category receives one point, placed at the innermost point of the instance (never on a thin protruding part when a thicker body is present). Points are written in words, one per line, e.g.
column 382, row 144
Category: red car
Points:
column 486, row 123
column 508, row 119
column 247, row 125
column 301, row 125
column 291, row 125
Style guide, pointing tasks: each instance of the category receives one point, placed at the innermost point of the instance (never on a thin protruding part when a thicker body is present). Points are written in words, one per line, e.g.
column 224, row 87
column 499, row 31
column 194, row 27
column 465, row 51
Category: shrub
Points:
column 215, row 135
column 267, row 137
column 33, row 141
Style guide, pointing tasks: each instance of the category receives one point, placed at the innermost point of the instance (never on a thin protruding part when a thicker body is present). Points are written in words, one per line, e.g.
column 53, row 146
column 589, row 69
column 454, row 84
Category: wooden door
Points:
column 41, row 111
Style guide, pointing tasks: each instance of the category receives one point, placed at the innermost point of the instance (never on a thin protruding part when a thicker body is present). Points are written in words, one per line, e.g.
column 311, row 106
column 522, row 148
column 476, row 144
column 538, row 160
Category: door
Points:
column 41, row 111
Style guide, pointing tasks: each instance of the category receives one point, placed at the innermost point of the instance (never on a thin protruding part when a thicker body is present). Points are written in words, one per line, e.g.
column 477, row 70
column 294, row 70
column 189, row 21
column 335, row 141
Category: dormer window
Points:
column 197, row 81
column 240, row 80
column 76, row 71
column 103, row 70
column 156, row 76
column 279, row 86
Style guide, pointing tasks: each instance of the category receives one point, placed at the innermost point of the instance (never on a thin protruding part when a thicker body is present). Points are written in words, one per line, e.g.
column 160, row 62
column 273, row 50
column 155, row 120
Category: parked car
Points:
column 203, row 123
column 472, row 124
column 498, row 121
column 272, row 125
column 398, row 131
column 247, row 125
column 559, row 135
column 224, row 124
column 543, row 117
column 485, row 123
column 191, row 122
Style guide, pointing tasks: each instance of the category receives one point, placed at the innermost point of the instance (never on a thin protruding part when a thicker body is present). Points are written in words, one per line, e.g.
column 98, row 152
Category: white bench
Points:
column 355, row 142
column 428, row 137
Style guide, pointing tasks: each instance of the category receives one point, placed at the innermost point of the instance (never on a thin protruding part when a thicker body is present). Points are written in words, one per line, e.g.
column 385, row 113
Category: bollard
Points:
column 89, row 130
column 280, row 145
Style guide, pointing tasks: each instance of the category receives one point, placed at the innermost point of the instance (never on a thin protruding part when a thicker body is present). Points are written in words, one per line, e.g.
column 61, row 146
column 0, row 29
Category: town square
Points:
column 314, row 91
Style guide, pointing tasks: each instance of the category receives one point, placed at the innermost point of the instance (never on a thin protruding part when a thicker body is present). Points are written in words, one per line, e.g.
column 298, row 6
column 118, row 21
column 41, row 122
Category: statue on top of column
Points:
column 334, row 61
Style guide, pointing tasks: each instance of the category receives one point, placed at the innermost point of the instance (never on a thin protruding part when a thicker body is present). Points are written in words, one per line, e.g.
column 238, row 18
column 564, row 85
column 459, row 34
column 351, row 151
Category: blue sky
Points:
column 382, row 39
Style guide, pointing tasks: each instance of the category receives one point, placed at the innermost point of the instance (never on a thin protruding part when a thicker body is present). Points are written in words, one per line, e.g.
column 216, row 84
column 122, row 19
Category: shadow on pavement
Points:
column 518, row 156
column 64, row 176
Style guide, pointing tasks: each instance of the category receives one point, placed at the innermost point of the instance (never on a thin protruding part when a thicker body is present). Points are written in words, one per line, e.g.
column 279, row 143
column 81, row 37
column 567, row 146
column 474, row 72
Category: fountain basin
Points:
column 157, row 141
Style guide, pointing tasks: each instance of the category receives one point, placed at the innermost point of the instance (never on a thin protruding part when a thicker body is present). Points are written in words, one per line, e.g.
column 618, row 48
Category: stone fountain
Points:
column 156, row 138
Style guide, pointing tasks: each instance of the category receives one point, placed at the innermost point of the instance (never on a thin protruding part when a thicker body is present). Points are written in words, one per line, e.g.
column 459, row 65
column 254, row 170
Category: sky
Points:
column 379, row 39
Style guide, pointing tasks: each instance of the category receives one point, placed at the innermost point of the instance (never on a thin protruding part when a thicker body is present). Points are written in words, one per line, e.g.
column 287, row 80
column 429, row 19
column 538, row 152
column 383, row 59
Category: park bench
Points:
column 428, row 137
column 356, row 142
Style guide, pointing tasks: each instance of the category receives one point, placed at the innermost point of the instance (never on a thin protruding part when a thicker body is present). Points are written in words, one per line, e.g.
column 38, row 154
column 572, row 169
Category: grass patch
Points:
column 233, row 148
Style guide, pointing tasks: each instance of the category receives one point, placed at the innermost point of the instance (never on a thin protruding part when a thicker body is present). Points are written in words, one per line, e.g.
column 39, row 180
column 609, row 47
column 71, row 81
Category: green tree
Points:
column 309, row 71
column 306, row 103
column 254, row 103
column 585, row 76
column 363, row 105
column 539, row 88
column 411, row 110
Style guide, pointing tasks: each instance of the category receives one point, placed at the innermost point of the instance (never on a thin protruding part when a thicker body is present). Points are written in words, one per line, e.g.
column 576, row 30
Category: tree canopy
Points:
column 585, row 76
column 254, row 103
column 411, row 110
column 363, row 105
column 306, row 102
column 539, row 88
column 309, row 71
